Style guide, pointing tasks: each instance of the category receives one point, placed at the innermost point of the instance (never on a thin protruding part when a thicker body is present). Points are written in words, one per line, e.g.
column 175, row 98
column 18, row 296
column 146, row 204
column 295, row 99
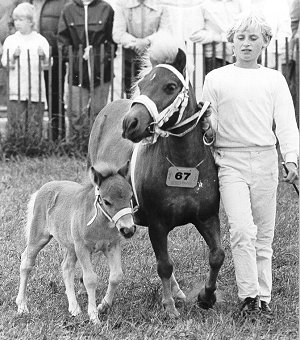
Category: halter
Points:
column 179, row 103
column 99, row 203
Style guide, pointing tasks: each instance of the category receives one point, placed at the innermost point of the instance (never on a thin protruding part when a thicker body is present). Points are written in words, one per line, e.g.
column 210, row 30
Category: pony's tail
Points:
column 30, row 208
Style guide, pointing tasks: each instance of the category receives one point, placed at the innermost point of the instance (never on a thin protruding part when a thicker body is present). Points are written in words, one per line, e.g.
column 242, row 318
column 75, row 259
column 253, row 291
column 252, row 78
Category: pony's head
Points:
column 113, row 194
column 163, row 94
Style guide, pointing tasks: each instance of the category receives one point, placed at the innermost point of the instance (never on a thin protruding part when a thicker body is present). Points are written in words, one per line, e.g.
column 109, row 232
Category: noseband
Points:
column 99, row 203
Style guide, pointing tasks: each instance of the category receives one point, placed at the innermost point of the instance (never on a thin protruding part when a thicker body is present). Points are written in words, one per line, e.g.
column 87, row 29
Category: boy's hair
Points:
column 25, row 10
column 252, row 19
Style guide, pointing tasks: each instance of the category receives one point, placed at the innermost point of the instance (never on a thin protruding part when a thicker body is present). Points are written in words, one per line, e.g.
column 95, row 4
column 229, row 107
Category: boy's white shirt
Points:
column 245, row 102
column 26, row 42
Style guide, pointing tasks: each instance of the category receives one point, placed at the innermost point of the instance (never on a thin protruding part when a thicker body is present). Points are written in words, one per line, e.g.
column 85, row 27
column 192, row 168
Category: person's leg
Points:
column 78, row 114
column 235, row 195
column 35, row 120
column 100, row 98
column 263, row 198
column 16, row 119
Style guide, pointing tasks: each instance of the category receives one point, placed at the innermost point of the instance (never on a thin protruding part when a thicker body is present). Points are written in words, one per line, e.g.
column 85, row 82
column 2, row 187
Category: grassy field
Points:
column 136, row 313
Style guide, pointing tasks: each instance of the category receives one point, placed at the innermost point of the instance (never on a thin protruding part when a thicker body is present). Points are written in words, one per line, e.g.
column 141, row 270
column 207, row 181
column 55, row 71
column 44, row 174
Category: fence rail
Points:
column 104, row 56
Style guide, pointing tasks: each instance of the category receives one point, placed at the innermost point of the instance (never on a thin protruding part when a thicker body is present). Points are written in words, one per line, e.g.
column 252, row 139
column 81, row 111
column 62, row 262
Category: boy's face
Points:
column 248, row 45
column 23, row 24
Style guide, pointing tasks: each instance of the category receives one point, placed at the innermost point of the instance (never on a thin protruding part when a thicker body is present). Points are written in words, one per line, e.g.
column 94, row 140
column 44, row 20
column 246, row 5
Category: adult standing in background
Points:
column 47, row 14
column 215, row 19
column 95, row 17
column 136, row 22
column 295, row 25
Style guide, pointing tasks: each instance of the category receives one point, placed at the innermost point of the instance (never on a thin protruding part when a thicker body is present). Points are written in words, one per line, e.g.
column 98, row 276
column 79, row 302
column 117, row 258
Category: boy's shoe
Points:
column 266, row 310
column 250, row 306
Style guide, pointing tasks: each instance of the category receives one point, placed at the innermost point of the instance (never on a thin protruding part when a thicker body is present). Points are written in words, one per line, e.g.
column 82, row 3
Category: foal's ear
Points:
column 124, row 170
column 180, row 61
column 96, row 177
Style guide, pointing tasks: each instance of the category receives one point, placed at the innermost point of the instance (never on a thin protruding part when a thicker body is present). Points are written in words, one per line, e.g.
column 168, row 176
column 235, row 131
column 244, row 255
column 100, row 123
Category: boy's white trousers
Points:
column 248, row 186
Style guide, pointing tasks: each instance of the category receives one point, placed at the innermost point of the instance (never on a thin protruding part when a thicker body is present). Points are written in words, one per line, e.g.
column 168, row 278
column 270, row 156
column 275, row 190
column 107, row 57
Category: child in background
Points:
column 245, row 99
column 22, row 53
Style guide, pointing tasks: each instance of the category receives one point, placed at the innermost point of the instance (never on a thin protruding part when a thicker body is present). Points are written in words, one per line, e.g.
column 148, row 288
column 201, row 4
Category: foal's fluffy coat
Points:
column 62, row 209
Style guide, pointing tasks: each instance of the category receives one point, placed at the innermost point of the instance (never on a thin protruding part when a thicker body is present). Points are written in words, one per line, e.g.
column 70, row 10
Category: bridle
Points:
column 178, row 104
column 99, row 203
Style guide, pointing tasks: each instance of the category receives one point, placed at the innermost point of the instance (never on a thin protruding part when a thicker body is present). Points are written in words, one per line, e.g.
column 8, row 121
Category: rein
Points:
column 99, row 203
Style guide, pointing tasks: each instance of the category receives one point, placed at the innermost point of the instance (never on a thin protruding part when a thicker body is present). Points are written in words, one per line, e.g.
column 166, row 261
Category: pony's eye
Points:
column 171, row 88
column 106, row 202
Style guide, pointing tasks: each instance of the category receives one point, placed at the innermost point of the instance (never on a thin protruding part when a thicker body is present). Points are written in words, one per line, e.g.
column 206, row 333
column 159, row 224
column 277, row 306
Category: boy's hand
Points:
column 41, row 52
column 17, row 52
column 292, row 173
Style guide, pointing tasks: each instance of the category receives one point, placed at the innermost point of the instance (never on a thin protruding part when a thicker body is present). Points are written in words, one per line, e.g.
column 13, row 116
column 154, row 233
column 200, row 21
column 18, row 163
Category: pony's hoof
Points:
column 206, row 301
column 171, row 311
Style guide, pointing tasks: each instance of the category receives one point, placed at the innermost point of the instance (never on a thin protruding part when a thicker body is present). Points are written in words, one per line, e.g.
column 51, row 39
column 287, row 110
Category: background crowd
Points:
column 87, row 24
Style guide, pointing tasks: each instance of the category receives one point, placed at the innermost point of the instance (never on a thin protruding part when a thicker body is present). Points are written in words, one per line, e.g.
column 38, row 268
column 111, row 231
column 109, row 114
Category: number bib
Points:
column 182, row 177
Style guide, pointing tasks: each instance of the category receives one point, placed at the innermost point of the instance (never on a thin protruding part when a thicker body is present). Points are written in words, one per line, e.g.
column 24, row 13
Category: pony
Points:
column 173, row 174
column 83, row 219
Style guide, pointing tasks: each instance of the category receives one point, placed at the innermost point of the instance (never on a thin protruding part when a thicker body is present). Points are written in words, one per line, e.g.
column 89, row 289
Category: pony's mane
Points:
column 163, row 50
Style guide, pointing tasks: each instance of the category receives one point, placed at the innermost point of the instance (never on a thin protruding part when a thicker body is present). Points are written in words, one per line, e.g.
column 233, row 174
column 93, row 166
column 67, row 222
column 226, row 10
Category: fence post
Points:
column 50, row 95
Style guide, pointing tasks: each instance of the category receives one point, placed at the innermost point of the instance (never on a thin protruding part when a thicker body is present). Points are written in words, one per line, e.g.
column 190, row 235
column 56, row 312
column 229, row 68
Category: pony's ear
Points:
column 180, row 61
column 96, row 177
column 124, row 170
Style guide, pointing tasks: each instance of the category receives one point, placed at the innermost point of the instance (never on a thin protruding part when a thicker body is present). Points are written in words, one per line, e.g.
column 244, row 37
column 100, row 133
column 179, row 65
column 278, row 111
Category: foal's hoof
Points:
column 22, row 309
column 103, row 307
column 206, row 300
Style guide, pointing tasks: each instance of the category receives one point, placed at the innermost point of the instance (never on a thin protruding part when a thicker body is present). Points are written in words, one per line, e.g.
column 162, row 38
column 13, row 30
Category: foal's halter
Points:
column 99, row 203
column 179, row 104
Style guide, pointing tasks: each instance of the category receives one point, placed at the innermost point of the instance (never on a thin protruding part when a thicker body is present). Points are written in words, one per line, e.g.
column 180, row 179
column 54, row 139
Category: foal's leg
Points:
column 68, row 271
column 89, row 280
column 159, row 240
column 113, row 255
column 27, row 262
column 210, row 230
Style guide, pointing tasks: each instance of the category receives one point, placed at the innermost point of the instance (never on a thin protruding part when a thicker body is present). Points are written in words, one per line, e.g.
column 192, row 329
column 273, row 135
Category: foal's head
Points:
column 114, row 195
column 158, row 89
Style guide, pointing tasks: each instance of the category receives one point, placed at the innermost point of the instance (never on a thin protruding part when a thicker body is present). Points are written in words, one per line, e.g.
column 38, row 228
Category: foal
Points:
column 83, row 219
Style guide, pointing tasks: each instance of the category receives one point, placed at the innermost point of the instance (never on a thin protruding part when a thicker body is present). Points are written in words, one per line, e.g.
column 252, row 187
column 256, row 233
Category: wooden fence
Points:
column 290, row 70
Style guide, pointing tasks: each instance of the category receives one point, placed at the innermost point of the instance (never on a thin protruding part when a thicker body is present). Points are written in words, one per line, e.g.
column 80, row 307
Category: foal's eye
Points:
column 106, row 202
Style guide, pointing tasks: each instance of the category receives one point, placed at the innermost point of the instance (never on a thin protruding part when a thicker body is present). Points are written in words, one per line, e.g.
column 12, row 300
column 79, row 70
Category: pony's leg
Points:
column 210, row 230
column 89, row 280
column 113, row 255
column 159, row 242
column 176, row 291
column 27, row 262
column 68, row 272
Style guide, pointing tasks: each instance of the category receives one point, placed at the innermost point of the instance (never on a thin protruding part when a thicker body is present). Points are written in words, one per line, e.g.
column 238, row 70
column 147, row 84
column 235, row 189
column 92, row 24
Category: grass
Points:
column 136, row 313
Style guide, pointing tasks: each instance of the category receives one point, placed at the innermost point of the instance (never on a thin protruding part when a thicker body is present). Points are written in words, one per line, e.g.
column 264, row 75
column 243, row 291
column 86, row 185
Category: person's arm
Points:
column 119, row 33
column 202, row 34
column 63, row 35
column 286, row 126
column 43, row 51
column 295, row 17
column 14, row 53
